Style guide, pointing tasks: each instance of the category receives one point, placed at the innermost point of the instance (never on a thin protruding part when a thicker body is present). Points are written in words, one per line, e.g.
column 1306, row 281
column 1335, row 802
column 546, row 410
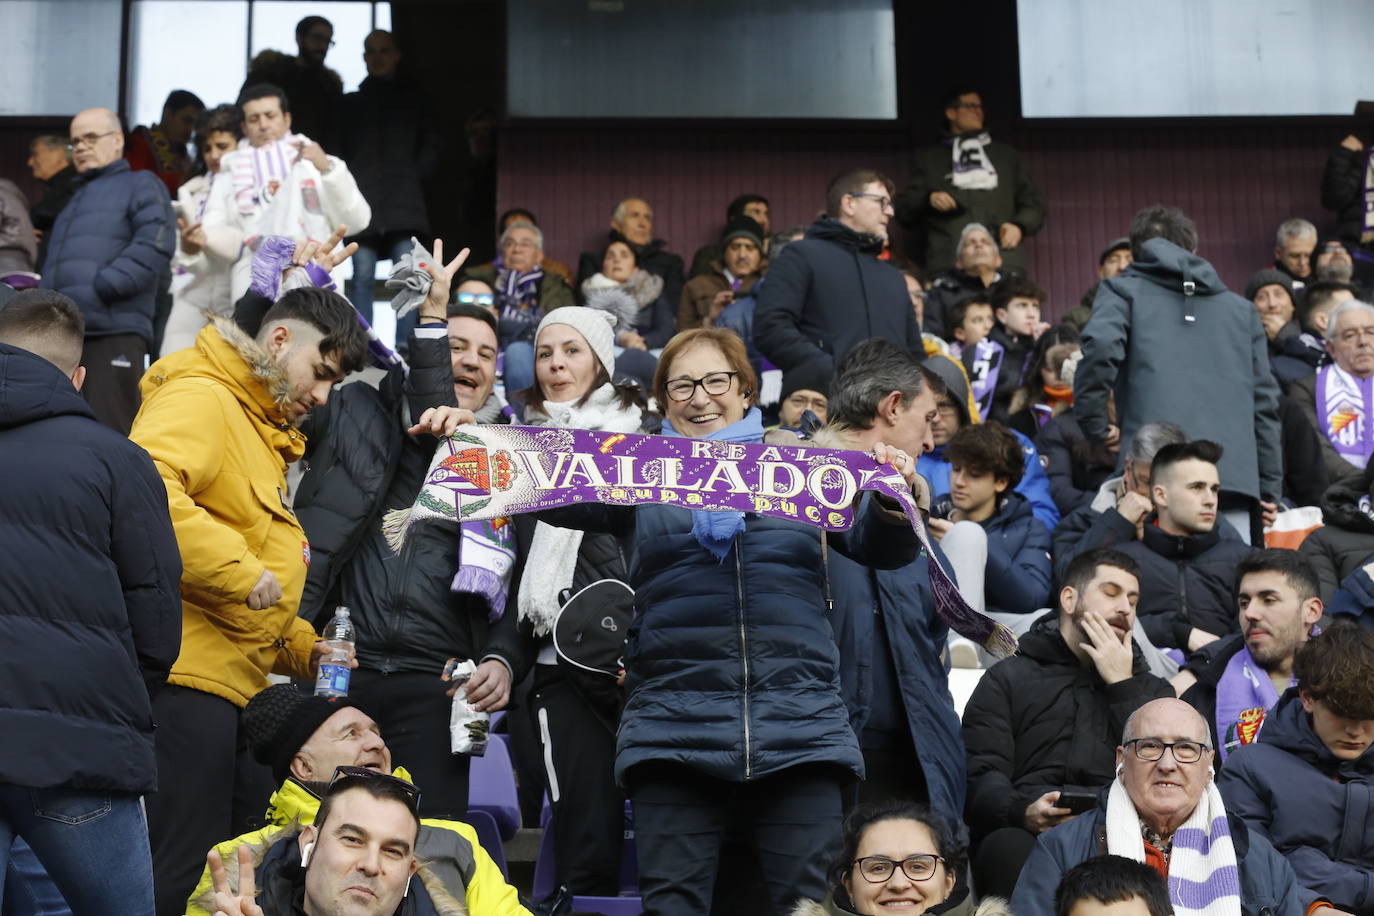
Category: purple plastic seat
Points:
column 490, row 837
column 491, row 788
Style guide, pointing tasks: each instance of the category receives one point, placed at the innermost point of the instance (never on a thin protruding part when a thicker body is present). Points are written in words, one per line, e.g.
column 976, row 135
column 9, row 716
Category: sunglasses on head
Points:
column 344, row 777
column 486, row 300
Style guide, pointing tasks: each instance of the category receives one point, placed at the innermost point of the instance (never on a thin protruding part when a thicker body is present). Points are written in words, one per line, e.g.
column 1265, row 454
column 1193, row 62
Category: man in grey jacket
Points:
column 1176, row 345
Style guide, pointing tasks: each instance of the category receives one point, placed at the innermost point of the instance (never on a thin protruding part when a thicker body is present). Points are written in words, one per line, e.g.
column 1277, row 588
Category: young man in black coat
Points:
column 1187, row 583
column 91, row 616
column 1235, row 681
column 829, row 291
column 1045, row 721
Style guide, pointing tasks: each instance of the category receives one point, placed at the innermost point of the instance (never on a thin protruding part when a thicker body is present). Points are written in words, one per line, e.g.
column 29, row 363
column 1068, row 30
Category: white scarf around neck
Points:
column 552, row 557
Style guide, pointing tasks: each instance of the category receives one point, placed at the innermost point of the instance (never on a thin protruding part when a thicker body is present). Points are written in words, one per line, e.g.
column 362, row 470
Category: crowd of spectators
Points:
column 1187, row 725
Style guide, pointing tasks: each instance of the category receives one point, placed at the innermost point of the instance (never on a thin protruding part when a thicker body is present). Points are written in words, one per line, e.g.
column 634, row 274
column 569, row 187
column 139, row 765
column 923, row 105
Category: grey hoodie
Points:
column 1176, row 345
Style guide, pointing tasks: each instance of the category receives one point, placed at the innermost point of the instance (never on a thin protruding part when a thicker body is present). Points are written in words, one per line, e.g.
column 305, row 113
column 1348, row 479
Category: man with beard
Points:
column 1237, row 680
column 244, row 555
column 315, row 90
column 369, row 452
column 1043, row 722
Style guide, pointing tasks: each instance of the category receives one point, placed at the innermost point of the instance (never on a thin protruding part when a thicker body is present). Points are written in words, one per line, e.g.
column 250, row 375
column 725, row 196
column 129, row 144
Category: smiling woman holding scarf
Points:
column 733, row 717
column 576, row 722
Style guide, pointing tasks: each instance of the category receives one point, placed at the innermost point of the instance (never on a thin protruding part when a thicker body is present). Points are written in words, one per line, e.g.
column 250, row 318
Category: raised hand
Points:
column 435, row 307
column 442, row 421
column 192, row 236
column 228, row 903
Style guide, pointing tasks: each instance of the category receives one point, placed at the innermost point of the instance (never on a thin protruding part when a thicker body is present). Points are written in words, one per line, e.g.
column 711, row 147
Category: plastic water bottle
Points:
column 334, row 669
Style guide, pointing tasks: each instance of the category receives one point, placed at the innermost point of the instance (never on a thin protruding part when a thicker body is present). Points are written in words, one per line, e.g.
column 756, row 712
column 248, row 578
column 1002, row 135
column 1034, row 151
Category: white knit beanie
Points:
column 593, row 324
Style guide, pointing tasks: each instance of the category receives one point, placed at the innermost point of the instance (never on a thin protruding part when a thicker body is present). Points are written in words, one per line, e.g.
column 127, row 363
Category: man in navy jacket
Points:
column 91, row 616
column 829, row 291
column 110, row 244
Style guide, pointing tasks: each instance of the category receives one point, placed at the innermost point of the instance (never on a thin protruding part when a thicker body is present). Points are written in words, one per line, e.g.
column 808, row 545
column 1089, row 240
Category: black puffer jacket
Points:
column 1041, row 721
column 91, row 583
column 387, row 137
column 1346, row 540
column 827, row 292
column 731, row 667
column 1318, row 811
column 361, row 464
column 1185, row 582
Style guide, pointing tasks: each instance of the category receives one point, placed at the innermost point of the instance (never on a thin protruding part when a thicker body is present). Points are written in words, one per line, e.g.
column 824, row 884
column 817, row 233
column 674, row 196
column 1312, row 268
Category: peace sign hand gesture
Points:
column 435, row 307
column 227, row 903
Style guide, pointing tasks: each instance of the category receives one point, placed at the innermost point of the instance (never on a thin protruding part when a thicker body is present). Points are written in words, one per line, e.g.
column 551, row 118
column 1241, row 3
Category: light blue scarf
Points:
column 716, row 530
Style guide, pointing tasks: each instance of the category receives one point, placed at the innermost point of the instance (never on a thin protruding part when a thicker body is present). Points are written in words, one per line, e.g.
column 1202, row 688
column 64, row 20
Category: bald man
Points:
column 1164, row 783
column 106, row 251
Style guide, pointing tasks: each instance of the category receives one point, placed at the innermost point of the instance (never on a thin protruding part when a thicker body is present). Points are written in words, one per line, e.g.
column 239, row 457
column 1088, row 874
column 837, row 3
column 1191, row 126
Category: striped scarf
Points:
column 1343, row 409
column 1204, row 879
column 260, row 171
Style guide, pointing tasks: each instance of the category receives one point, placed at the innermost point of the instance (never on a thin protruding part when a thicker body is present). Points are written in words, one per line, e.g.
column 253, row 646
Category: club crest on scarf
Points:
column 1246, row 728
column 484, row 472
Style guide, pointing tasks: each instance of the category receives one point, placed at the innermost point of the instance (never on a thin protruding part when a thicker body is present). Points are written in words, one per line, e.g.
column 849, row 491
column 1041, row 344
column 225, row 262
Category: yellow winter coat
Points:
column 212, row 423
column 448, row 865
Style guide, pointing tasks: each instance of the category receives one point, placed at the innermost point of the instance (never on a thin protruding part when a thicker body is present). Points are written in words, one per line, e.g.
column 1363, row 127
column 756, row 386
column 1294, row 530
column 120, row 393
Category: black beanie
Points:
column 1269, row 277
column 280, row 719
column 813, row 376
column 742, row 227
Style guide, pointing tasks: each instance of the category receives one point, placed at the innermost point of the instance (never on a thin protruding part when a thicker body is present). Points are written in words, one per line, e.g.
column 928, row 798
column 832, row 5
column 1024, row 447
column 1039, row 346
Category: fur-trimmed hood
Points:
column 224, row 353
column 279, row 876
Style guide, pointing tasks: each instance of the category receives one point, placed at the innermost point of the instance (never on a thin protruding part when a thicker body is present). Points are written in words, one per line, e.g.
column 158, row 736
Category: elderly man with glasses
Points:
column 106, row 251
column 1164, row 810
column 1338, row 399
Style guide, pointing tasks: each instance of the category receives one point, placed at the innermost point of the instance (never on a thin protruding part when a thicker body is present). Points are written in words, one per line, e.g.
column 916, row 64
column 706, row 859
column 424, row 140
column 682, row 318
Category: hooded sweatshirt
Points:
column 1175, row 344
column 1317, row 810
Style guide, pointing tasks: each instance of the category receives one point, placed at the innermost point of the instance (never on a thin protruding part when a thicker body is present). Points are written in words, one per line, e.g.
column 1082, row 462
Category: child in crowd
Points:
column 1000, row 549
column 1112, row 886
column 1016, row 308
column 972, row 321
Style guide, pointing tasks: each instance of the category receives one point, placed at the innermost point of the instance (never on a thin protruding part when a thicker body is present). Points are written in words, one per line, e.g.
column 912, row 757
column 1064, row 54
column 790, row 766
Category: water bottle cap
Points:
column 341, row 612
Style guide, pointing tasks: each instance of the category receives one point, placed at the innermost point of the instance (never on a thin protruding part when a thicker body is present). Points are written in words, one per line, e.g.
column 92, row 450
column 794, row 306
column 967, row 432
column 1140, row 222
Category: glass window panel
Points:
column 274, row 27
column 59, row 57
column 170, row 49
column 1204, row 58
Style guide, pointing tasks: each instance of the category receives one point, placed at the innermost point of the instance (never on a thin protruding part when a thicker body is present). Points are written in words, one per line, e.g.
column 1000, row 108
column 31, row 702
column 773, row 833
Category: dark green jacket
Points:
column 1016, row 199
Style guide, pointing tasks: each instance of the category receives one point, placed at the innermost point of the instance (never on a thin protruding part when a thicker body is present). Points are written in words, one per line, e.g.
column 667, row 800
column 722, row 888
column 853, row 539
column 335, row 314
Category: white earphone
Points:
column 305, row 854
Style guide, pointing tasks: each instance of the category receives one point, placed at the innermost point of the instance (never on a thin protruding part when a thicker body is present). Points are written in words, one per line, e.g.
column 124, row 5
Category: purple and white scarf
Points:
column 984, row 367
column 517, row 293
column 260, row 171
column 1244, row 697
column 1345, row 405
column 1203, row 876
column 494, row 471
